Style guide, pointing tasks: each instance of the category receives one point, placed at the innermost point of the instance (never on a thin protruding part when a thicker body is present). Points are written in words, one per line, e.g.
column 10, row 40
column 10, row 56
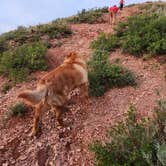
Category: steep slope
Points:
column 86, row 121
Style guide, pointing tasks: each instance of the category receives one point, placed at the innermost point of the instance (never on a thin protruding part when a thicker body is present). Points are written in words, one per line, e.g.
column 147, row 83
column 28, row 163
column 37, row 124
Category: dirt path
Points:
column 85, row 121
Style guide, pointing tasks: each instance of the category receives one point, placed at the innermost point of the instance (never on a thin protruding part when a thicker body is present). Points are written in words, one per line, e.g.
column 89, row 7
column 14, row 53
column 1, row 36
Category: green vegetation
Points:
column 56, row 29
column 134, row 142
column 19, row 109
column 102, row 74
column 22, row 35
column 23, row 50
column 153, row 8
column 6, row 87
column 88, row 16
column 143, row 34
column 105, row 42
column 16, row 64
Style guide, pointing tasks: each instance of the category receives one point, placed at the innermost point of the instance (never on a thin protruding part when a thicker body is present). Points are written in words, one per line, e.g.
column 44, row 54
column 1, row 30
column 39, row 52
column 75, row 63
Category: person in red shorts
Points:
column 113, row 12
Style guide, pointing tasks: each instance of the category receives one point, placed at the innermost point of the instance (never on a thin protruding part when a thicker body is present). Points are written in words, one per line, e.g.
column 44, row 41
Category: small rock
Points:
column 2, row 147
column 78, row 150
column 22, row 158
column 39, row 144
column 68, row 128
column 5, row 164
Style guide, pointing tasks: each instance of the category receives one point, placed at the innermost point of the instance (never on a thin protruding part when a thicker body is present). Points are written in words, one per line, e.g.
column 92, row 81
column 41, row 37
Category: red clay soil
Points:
column 86, row 121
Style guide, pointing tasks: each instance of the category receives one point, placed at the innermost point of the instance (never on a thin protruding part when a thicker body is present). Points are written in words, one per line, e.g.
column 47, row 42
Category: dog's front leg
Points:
column 84, row 90
column 38, row 110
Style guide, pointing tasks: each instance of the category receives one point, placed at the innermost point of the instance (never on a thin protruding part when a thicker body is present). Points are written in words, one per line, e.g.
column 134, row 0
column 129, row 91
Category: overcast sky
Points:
column 14, row 13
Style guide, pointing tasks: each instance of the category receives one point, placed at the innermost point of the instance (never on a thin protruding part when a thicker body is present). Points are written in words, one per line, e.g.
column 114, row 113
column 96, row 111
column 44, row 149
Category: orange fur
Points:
column 53, row 88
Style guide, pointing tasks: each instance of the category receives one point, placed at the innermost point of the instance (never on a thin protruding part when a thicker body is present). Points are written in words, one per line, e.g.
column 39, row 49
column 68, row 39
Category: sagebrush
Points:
column 134, row 143
column 143, row 34
column 88, row 16
column 18, row 109
column 17, row 63
column 105, row 42
column 6, row 87
column 103, row 75
column 22, row 35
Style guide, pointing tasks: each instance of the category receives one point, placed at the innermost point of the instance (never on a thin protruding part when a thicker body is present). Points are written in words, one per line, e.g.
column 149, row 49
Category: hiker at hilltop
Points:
column 113, row 12
column 121, row 4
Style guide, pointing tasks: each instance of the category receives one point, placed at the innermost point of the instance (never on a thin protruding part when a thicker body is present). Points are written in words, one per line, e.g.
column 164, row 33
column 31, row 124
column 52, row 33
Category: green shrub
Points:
column 143, row 34
column 160, row 122
column 120, row 29
column 153, row 7
column 88, row 16
column 23, row 35
column 105, row 42
column 19, row 109
column 6, row 87
column 17, row 34
column 134, row 143
column 96, row 87
column 18, row 63
column 103, row 75
column 56, row 29
column 3, row 46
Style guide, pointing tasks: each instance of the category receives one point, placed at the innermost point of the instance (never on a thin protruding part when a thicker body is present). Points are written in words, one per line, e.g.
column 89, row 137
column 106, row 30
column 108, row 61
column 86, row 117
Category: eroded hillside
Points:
column 87, row 120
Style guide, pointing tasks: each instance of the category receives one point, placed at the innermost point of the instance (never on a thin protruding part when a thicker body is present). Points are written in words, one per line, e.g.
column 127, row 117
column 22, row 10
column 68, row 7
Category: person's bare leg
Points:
column 111, row 18
column 115, row 18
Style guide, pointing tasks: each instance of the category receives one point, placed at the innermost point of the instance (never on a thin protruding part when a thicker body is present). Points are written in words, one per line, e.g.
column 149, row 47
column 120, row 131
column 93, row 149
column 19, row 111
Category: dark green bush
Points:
column 56, row 29
column 17, row 63
column 143, row 34
column 17, row 34
column 103, row 75
column 133, row 143
column 6, row 87
column 105, row 42
column 3, row 46
column 18, row 109
column 96, row 87
column 88, row 16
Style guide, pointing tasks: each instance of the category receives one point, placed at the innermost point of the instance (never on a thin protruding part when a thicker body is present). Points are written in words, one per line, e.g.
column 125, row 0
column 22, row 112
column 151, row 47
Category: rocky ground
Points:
column 86, row 121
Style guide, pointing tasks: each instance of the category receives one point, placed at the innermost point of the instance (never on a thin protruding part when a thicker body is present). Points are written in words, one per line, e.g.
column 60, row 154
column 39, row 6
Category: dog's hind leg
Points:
column 58, row 113
column 38, row 110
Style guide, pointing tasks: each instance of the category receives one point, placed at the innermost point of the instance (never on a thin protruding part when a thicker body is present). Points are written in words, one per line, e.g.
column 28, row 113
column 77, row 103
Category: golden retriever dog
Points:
column 52, row 89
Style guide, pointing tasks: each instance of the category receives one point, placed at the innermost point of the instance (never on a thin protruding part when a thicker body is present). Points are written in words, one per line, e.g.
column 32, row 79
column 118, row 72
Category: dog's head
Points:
column 71, row 57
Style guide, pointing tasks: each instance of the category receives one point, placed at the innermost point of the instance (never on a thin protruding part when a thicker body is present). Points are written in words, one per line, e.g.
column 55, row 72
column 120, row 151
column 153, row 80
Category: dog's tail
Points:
column 34, row 96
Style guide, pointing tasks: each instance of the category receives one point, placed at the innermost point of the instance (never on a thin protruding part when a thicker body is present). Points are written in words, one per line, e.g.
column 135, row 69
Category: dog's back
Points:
column 56, row 84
